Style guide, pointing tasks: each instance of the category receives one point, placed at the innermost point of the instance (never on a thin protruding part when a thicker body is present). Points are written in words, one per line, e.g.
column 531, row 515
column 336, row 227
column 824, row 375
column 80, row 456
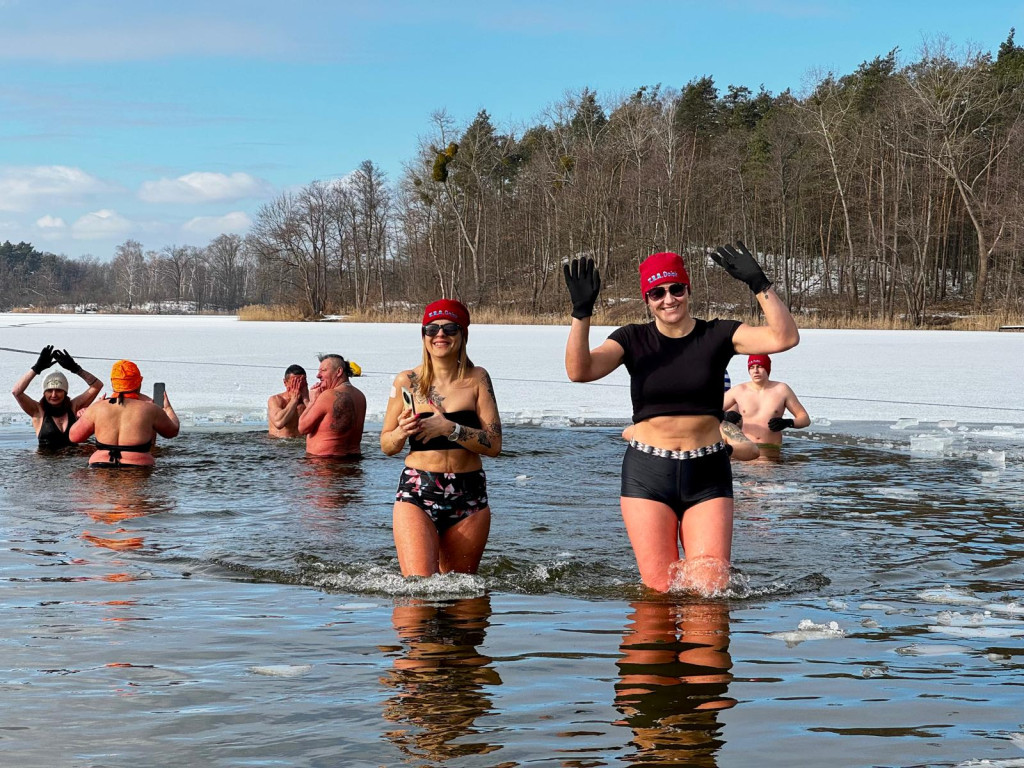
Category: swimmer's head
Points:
column 445, row 311
column 294, row 370
column 762, row 360
column 125, row 377
column 55, row 380
column 662, row 268
column 349, row 368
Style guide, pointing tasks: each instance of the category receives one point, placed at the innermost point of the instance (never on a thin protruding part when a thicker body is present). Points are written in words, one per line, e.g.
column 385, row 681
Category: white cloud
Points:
column 23, row 187
column 203, row 187
column 101, row 224
column 236, row 222
column 50, row 223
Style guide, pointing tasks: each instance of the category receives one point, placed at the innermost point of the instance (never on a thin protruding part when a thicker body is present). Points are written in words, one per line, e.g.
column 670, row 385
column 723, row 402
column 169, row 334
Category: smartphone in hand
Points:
column 158, row 393
column 407, row 397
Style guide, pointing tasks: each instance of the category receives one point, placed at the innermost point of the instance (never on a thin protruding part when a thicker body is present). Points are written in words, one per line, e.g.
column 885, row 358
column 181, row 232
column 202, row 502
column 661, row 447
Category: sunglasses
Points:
column 448, row 329
column 658, row 292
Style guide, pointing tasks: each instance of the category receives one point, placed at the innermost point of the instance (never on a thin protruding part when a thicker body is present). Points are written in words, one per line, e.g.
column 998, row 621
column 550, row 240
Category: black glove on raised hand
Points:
column 739, row 263
column 776, row 424
column 584, row 282
column 45, row 359
column 733, row 417
column 66, row 361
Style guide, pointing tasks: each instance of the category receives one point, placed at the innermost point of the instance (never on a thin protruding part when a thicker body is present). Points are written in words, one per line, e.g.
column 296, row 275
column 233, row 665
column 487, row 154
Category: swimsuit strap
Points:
column 116, row 450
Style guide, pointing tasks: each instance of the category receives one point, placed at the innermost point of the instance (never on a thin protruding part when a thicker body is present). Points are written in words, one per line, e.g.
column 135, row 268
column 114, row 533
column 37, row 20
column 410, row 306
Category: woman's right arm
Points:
column 28, row 405
column 399, row 420
column 585, row 364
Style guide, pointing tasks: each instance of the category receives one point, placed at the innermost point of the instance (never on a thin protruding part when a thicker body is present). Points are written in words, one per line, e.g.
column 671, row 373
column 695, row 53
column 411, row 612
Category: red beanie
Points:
column 445, row 310
column 763, row 360
column 661, row 268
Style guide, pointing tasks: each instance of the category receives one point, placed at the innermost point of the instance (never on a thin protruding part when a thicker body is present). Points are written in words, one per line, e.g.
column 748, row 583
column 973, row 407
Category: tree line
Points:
column 892, row 191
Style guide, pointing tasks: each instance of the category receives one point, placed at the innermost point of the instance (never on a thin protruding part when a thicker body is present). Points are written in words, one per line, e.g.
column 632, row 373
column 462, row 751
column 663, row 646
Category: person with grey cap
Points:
column 55, row 412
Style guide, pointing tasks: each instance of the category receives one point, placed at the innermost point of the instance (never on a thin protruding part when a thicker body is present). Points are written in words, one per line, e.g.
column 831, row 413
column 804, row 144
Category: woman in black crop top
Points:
column 55, row 412
column 676, row 478
column 441, row 516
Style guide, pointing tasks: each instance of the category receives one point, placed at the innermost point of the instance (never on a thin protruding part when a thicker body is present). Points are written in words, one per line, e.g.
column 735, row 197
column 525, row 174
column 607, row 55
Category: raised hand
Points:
column 584, row 283
column 733, row 417
column 45, row 359
column 776, row 424
column 66, row 361
column 739, row 263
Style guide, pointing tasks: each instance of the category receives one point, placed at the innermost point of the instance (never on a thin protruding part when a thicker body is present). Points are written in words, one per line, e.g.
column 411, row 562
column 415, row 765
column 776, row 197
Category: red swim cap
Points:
column 661, row 268
column 446, row 310
column 763, row 360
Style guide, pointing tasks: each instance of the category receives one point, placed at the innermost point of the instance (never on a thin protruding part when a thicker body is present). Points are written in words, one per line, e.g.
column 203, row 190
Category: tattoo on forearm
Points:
column 481, row 437
column 733, row 432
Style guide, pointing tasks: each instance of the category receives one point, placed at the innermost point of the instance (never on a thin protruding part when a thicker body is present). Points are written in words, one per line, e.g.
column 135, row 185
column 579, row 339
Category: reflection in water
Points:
column 674, row 676
column 329, row 487
column 440, row 680
column 111, row 497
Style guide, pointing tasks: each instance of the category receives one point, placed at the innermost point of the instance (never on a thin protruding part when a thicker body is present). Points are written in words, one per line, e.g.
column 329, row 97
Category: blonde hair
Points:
column 427, row 368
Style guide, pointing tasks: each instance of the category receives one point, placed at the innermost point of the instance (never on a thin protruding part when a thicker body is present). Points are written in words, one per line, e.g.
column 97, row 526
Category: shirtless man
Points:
column 333, row 420
column 762, row 405
column 284, row 408
column 125, row 425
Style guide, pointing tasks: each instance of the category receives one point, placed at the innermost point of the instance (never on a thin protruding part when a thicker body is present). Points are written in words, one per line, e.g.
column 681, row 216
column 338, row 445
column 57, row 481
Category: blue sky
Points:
column 173, row 122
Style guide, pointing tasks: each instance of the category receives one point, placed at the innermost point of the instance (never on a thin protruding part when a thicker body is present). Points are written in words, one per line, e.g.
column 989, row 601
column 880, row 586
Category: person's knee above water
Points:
column 333, row 419
column 763, row 403
column 127, row 423
column 446, row 410
column 285, row 408
column 676, row 479
column 56, row 411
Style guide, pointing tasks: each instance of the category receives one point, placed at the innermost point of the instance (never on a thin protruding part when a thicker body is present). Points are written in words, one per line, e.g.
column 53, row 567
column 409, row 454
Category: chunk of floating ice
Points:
column 1014, row 609
column 921, row 649
column 522, row 478
column 904, row 424
column 808, row 630
column 836, row 605
column 992, row 457
column 946, row 424
column 978, row 632
column 355, row 606
column 949, row 595
column 869, row 606
column 930, row 444
column 873, row 672
column 1013, row 762
column 282, row 670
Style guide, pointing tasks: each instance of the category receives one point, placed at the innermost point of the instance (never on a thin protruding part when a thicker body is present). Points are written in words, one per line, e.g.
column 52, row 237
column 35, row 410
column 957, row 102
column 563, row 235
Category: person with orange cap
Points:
column 676, row 487
column 446, row 410
column 54, row 413
column 333, row 420
column 762, row 405
column 127, row 423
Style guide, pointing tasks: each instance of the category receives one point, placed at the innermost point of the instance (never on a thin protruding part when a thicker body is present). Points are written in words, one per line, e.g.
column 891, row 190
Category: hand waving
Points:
column 45, row 359
column 584, row 283
column 66, row 361
column 739, row 263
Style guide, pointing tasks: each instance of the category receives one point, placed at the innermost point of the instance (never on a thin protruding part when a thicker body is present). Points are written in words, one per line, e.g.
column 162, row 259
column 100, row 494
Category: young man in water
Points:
column 762, row 404
column 333, row 420
column 284, row 408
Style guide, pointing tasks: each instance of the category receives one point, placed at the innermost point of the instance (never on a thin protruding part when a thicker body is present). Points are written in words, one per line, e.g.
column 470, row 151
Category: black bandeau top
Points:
column 465, row 418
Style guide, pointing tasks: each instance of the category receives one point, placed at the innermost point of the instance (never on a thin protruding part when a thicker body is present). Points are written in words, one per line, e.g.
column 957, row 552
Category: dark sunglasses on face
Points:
column 658, row 292
column 448, row 329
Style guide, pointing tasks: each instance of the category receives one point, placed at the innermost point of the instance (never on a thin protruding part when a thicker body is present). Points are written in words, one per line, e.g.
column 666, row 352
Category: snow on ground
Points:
column 218, row 365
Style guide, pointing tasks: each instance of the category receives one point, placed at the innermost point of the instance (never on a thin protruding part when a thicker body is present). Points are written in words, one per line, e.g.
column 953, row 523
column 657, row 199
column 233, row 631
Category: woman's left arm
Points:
column 487, row 439
column 777, row 335
column 85, row 399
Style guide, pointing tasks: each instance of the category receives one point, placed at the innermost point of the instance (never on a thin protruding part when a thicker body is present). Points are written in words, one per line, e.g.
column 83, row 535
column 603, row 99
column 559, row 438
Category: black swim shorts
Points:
column 680, row 483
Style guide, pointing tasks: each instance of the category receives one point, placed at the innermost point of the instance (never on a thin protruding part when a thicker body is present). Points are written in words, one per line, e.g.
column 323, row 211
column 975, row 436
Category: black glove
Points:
column 66, row 361
column 740, row 264
column 733, row 417
column 584, row 282
column 45, row 359
column 775, row 424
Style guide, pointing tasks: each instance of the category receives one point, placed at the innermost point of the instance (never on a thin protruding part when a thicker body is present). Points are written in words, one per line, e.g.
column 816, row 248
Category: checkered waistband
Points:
column 665, row 453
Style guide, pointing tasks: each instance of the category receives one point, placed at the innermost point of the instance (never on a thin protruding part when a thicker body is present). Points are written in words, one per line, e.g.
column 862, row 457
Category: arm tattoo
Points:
column 341, row 412
column 489, row 386
column 414, row 382
column 733, row 432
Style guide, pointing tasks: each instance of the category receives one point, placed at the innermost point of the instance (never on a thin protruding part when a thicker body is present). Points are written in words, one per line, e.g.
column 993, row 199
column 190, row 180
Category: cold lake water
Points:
column 241, row 604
